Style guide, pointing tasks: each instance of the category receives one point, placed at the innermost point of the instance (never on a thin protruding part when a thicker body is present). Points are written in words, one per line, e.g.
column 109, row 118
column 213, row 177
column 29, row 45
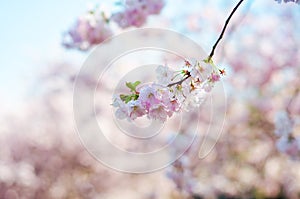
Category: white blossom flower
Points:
column 164, row 75
column 158, row 112
column 135, row 109
column 194, row 99
column 122, row 108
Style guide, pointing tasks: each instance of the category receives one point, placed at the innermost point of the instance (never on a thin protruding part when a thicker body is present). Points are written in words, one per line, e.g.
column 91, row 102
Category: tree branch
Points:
column 179, row 82
column 223, row 31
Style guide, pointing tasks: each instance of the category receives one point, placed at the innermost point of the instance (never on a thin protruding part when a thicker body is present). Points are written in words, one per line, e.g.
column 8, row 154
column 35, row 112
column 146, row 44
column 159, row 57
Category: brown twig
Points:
column 180, row 82
column 223, row 31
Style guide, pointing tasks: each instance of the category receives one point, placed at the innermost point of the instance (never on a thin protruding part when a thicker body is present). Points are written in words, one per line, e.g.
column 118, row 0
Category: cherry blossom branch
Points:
column 223, row 31
column 160, row 102
column 180, row 82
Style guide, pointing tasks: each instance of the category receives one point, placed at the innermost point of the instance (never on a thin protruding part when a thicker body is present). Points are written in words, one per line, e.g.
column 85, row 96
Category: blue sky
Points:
column 30, row 39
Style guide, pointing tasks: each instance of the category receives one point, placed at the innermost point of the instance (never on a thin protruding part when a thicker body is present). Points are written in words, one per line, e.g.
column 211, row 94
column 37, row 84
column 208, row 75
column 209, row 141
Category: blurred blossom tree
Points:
column 257, row 156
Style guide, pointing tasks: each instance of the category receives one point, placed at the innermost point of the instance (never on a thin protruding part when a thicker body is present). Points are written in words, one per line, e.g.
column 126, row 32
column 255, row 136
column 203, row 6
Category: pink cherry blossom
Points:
column 130, row 17
column 94, row 27
column 172, row 92
column 89, row 30
column 135, row 109
column 214, row 77
column 148, row 96
column 136, row 12
column 148, row 6
column 158, row 112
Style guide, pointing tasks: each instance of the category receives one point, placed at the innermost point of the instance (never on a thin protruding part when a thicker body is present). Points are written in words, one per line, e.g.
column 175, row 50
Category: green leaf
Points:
column 136, row 97
column 128, row 98
column 132, row 86
column 123, row 97
column 136, row 83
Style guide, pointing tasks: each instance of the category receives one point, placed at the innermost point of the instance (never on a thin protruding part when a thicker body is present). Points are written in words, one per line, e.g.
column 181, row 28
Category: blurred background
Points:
column 41, row 155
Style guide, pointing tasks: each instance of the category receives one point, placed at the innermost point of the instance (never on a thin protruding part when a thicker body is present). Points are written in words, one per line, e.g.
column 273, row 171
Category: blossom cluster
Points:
column 135, row 12
column 287, row 143
column 286, row 1
column 90, row 29
column 94, row 27
column 173, row 91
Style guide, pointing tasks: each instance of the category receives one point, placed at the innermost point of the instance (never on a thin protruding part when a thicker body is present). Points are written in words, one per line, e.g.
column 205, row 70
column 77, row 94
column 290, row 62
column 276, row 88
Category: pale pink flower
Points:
column 135, row 109
column 136, row 12
column 163, row 94
column 180, row 92
column 214, row 77
column 194, row 99
column 158, row 112
column 172, row 106
column 122, row 108
column 155, row 6
column 89, row 30
column 208, row 85
column 164, row 75
column 169, row 101
column 148, row 96
column 130, row 17
column 151, row 7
